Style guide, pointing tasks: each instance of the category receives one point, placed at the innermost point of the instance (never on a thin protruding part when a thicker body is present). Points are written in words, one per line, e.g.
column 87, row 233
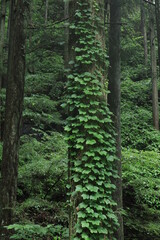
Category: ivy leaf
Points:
column 90, row 210
column 80, row 140
column 85, row 224
column 85, row 196
column 79, row 188
column 90, row 154
column 81, row 214
column 92, row 188
column 90, row 142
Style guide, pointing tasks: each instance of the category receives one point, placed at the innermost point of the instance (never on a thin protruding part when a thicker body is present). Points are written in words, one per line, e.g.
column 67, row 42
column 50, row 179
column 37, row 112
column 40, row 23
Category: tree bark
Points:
column 13, row 113
column 114, row 99
column 46, row 11
column 2, row 35
column 157, row 9
column 66, row 47
column 144, row 32
column 155, row 110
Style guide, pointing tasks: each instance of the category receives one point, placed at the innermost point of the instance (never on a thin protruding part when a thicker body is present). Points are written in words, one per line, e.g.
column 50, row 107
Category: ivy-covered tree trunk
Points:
column 90, row 132
column 114, row 99
column 13, row 114
column 2, row 34
column 155, row 110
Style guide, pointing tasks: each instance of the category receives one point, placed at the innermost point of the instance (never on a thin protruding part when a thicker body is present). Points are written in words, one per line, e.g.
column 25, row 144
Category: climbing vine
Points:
column 90, row 133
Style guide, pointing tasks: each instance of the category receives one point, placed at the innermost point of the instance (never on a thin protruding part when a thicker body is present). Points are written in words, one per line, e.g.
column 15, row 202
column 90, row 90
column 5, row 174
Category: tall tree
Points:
column 114, row 99
column 66, row 49
column 2, row 34
column 13, row 114
column 46, row 11
column 91, row 145
column 155, row 110
column 157, row 8
column 144, row 31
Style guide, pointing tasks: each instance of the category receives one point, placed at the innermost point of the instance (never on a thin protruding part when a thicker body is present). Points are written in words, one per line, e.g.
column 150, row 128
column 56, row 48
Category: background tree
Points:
column 114, row 99
column 144, row 31
column 2, row 37
column 13, row 115
column 157, row 10
column 155, row 109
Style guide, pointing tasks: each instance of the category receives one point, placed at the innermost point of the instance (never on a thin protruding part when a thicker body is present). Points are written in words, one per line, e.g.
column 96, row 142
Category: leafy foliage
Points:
column 137, row 130
column 42, row 166
column 36, row 232
column 141, row 194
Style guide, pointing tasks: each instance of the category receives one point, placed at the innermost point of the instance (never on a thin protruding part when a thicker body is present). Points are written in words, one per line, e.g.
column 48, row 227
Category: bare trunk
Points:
column 46, row 12
column 2, row 35
column 114, row 99
column 154, row 74
column 13, row 114
column 71, row 5
column 66, row 49
column 144, row 32
column 157, row 8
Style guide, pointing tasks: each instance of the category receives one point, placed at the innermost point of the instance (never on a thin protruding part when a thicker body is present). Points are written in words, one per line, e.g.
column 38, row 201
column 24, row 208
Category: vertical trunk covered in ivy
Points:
column 155, row 110
column 114, row 100
column 91, row 145
column 13, row 114
column 157, row 8
column 2, row 34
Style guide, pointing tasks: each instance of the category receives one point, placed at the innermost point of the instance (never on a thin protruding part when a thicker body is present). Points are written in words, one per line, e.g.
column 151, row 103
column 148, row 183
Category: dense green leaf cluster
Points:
column 36, row 232
column 90, row 132
column 141, row 194
column 137, row 129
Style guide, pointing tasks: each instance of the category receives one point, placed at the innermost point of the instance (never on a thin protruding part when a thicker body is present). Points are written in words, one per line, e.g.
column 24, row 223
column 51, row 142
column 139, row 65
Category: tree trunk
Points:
column 157, row 8
column 13, row 113
column 155, row 109
column 2, row 35
column 114, row 99
column 90, row 141
column 144, row 32
column 66, row 49
column 46, row 12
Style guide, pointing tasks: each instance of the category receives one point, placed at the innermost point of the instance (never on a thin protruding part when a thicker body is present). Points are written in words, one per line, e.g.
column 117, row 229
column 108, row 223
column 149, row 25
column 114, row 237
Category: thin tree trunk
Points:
column 66, row 47
column 71, row 5
column 2, row 35
column 114, row 99
column 46, row 11
column 108, row 10
column 155, row 110
column 144, row 32
column 13, row 114
column 157, row 8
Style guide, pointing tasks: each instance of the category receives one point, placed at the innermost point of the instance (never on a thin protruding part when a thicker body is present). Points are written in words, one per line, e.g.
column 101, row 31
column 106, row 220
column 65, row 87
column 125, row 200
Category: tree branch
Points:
column 150, row 2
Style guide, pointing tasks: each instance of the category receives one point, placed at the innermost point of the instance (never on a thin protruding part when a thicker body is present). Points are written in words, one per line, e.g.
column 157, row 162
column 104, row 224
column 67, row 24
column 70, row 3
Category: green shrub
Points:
column 36, row 232
column 43, row 166
column 141, row 193
column 137, row 124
